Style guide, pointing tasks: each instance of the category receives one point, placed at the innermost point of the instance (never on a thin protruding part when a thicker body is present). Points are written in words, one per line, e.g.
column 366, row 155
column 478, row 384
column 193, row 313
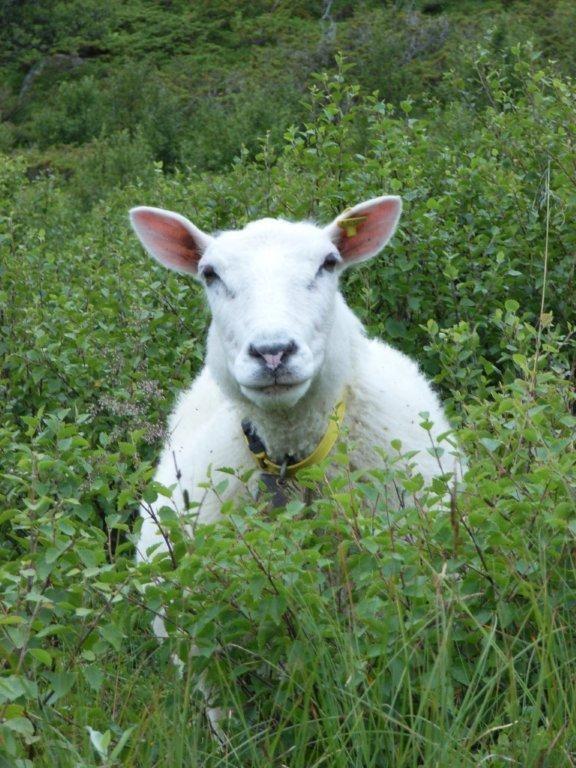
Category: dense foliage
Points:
column 338, row 633
column 190, row 83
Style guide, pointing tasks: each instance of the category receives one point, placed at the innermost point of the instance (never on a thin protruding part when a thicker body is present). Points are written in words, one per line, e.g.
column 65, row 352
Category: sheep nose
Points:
column 273, row 354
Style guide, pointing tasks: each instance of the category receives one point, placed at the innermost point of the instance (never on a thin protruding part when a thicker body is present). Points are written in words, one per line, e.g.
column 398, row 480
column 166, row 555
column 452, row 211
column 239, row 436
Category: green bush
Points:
column 199, row 82
column 74, row 118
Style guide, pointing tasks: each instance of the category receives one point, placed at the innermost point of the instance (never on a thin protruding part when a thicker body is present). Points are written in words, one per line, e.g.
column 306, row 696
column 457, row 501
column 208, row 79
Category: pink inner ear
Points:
column 374, row 225
column 168, row 240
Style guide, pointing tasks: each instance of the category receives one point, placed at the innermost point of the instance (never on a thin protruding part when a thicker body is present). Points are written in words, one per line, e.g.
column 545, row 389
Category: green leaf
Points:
column 127, row 449
column 6, row 620
column 112, row 634
column 41, row 655
column 15, row 686
column 20, row 725
column 395, row 329
column 61, row 683
column 490, row 443
column 100, row 741
column 94, row 676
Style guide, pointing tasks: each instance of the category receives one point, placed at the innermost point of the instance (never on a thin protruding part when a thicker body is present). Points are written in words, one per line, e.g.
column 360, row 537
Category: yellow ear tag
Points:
column 350, row 226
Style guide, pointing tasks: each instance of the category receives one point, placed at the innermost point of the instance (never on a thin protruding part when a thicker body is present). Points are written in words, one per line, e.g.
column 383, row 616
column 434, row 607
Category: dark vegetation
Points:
column 339, row 634
column 188, row 84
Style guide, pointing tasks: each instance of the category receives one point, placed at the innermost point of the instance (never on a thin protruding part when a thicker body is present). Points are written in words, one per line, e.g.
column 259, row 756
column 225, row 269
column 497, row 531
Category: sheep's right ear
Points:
column 170, row 238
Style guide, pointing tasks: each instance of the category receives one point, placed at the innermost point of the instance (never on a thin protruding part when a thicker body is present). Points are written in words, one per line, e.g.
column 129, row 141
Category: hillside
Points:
column 191, row 83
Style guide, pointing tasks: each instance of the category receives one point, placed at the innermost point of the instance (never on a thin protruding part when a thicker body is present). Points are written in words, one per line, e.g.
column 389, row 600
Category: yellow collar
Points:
column 318, row 454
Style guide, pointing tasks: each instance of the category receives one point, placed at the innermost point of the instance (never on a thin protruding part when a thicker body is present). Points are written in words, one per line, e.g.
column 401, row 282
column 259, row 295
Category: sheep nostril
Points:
column 272, row 355
column 253, row 351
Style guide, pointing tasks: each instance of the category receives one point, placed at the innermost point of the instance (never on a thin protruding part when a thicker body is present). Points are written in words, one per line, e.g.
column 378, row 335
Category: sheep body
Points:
column 384, row 391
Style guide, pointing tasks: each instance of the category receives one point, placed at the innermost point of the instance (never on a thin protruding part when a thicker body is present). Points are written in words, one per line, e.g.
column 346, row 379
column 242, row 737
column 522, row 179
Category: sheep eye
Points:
column 210, row 275
column 329, row 263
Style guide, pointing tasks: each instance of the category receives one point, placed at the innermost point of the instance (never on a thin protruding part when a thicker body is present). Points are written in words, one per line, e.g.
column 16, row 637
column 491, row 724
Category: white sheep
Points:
column 284, row 350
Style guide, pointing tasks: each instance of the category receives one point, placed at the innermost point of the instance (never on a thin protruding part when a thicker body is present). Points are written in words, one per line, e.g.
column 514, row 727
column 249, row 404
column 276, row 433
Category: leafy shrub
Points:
column 350, row 631
column 199, row 82
column 113, row 161
column 74, row 115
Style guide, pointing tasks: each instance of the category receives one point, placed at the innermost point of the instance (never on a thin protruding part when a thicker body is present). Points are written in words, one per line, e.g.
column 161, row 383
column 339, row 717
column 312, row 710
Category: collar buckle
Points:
column 283, row 469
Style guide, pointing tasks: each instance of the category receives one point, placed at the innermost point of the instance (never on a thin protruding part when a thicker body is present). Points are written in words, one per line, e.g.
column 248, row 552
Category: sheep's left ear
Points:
column 361, row 232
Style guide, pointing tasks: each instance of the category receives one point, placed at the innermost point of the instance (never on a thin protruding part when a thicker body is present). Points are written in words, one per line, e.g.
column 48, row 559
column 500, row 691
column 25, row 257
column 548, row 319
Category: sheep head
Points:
column 271, row 287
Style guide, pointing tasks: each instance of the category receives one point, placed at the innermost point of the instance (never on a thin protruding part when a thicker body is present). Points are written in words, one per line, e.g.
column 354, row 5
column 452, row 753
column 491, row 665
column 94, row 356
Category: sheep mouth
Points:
column 274, row 387
column 276, row 391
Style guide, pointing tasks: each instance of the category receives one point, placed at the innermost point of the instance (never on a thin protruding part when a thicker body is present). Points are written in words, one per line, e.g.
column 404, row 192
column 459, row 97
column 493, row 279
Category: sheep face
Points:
column 272, row 289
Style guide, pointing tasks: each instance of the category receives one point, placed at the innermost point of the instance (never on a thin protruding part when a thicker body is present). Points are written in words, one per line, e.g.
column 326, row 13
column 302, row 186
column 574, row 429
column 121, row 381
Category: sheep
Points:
column 284, row 354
